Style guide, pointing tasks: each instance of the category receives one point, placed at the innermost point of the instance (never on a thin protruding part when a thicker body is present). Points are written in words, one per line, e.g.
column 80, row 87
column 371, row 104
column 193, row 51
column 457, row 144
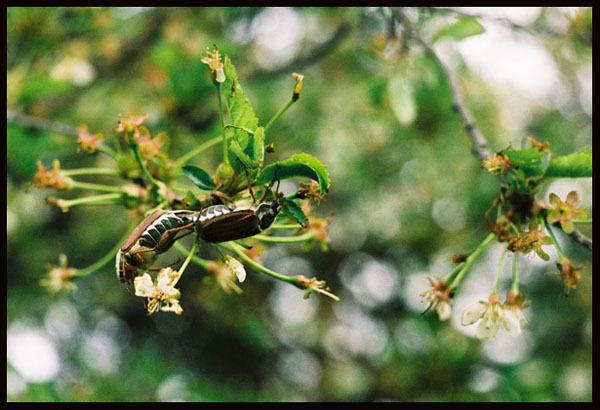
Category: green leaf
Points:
column 576, row 165
column 293, row 211
column 237, row 153
column 240, row 110
column 529, row 160
column 256, row 146
column 199, row 177
column 298, row 165
column 463, row 28
column 247, row 147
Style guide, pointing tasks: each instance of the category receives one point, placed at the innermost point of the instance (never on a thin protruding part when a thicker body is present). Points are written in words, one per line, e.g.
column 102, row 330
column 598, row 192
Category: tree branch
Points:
column 480, row 147
column 50, row 126
column 578, row 237
column 41, row 124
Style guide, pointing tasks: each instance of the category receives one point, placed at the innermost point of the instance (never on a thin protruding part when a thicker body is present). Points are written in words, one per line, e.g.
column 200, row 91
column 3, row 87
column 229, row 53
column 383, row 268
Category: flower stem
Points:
column 117, row 144
column 451, row 275
column 138, row 158
column 515, row 275
column 96, row 187
column 160, row 205
column 187, row 261
column 470, row 259
column 285, row 226
column 102, row 261
column 89, row 171
column 285, row 239
column 549, row 230
column 94, row 200
column 107, row 151
column 279, row 114
column 500, row 264
column 202, row 262
column 240, row 252
column 201, row 148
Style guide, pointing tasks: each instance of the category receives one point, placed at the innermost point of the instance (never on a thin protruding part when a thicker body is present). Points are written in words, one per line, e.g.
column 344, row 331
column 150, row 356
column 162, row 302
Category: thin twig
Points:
column 41, row 124
column 38, row 123
column 578, row 237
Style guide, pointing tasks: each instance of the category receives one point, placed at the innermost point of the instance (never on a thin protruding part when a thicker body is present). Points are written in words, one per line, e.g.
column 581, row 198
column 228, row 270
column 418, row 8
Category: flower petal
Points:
column 487, row 329
column 554, row 200
column 510, row 322
column 572, row 198
column 472, row 314
column 144, row 286
column 567, row 226
column 443, row 310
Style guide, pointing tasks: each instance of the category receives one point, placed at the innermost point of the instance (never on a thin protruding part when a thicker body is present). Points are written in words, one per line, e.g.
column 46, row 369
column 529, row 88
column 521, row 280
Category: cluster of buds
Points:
column 569, row 273
column 89, row 143
column 497, row 164
column 533, row 240
column 59, row 277
column 215, row 65
column 54, row 178
column 226, row 272
column 438, row 298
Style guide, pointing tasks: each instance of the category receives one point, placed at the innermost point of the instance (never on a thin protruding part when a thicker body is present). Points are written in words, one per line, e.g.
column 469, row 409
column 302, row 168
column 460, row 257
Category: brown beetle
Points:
column 153, row 236
column 221, row 223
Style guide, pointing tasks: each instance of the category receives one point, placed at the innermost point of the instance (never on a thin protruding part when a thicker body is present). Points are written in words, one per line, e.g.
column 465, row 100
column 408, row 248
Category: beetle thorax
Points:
column 267, row 213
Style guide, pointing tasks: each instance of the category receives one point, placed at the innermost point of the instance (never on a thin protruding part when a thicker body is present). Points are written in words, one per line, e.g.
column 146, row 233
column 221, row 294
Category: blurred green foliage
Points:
column 406, row 193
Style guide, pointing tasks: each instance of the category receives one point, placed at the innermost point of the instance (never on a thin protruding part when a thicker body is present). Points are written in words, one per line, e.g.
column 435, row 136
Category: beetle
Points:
column 222, row 223
column 217, row 223
column 153, row 236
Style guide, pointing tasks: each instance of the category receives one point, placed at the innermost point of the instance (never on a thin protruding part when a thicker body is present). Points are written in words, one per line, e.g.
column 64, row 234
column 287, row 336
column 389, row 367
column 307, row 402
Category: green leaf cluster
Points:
column 531, row 166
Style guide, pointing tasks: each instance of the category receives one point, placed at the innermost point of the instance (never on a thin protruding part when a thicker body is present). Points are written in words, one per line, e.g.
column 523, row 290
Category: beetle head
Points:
column 267, row 213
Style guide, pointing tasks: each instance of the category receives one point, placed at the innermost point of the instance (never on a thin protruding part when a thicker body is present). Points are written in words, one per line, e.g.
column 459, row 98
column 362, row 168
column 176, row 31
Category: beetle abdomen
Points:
column 213, row 211
column 155, row 231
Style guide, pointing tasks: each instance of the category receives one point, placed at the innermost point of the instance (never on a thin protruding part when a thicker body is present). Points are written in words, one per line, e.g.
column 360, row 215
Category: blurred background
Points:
column 407, row 194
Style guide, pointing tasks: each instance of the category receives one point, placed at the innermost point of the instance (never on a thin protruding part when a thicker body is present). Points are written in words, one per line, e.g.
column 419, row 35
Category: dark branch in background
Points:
column 578, row 237
column 480, row 148
column 303, row 61
column 41, row 124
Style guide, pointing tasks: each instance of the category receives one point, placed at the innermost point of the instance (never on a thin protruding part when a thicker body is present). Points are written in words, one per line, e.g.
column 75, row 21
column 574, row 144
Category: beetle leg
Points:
column 249, row 184
column 168, row 233
column 166, row 266
column 128, row 275
column 271, row 185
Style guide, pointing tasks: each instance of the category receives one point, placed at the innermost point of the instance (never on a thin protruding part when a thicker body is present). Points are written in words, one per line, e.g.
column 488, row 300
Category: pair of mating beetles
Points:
column 218, row 223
